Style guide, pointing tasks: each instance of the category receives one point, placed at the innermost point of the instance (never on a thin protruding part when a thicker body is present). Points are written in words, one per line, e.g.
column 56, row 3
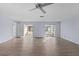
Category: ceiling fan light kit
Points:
column 41, row 16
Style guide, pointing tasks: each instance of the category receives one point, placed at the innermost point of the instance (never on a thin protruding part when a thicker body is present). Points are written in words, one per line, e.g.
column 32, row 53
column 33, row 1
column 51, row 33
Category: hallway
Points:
column 48, row 46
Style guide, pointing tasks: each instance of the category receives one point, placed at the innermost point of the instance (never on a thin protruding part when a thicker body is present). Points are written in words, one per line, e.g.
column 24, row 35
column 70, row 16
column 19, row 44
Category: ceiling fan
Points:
column 40, row 6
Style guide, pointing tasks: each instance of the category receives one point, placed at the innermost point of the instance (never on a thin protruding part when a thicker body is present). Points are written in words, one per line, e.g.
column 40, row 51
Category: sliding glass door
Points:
column 50, row 30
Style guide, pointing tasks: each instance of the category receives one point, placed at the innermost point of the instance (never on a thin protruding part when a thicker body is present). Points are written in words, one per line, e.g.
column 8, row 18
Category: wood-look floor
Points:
column 39, row 47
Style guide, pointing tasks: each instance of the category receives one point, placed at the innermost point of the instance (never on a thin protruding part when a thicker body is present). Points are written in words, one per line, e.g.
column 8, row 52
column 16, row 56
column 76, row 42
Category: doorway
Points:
column 50, row 30
column 28, row 31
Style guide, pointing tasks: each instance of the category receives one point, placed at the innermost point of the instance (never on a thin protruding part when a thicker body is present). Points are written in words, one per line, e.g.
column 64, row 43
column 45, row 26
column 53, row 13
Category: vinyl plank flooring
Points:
column 48, row 46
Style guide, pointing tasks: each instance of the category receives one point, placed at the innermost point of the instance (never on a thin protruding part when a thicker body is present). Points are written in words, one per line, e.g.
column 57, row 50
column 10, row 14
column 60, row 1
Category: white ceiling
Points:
column 55, row 12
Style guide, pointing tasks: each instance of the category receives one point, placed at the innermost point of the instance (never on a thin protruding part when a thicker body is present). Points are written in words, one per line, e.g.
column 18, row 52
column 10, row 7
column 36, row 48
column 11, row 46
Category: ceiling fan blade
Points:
column 33, row 8
column 45, row 4
column 40, row 5
column 42, row 9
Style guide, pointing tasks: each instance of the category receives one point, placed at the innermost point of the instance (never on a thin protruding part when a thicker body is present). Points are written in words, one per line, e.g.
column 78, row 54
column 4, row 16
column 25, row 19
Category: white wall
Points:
column 13, row 29
column 19, row 29
column 70, row 29
column 6, row 30
column 38, row 28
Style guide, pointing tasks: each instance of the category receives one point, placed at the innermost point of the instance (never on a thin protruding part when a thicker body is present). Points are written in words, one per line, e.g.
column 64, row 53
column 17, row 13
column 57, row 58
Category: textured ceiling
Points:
column 55, row 12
